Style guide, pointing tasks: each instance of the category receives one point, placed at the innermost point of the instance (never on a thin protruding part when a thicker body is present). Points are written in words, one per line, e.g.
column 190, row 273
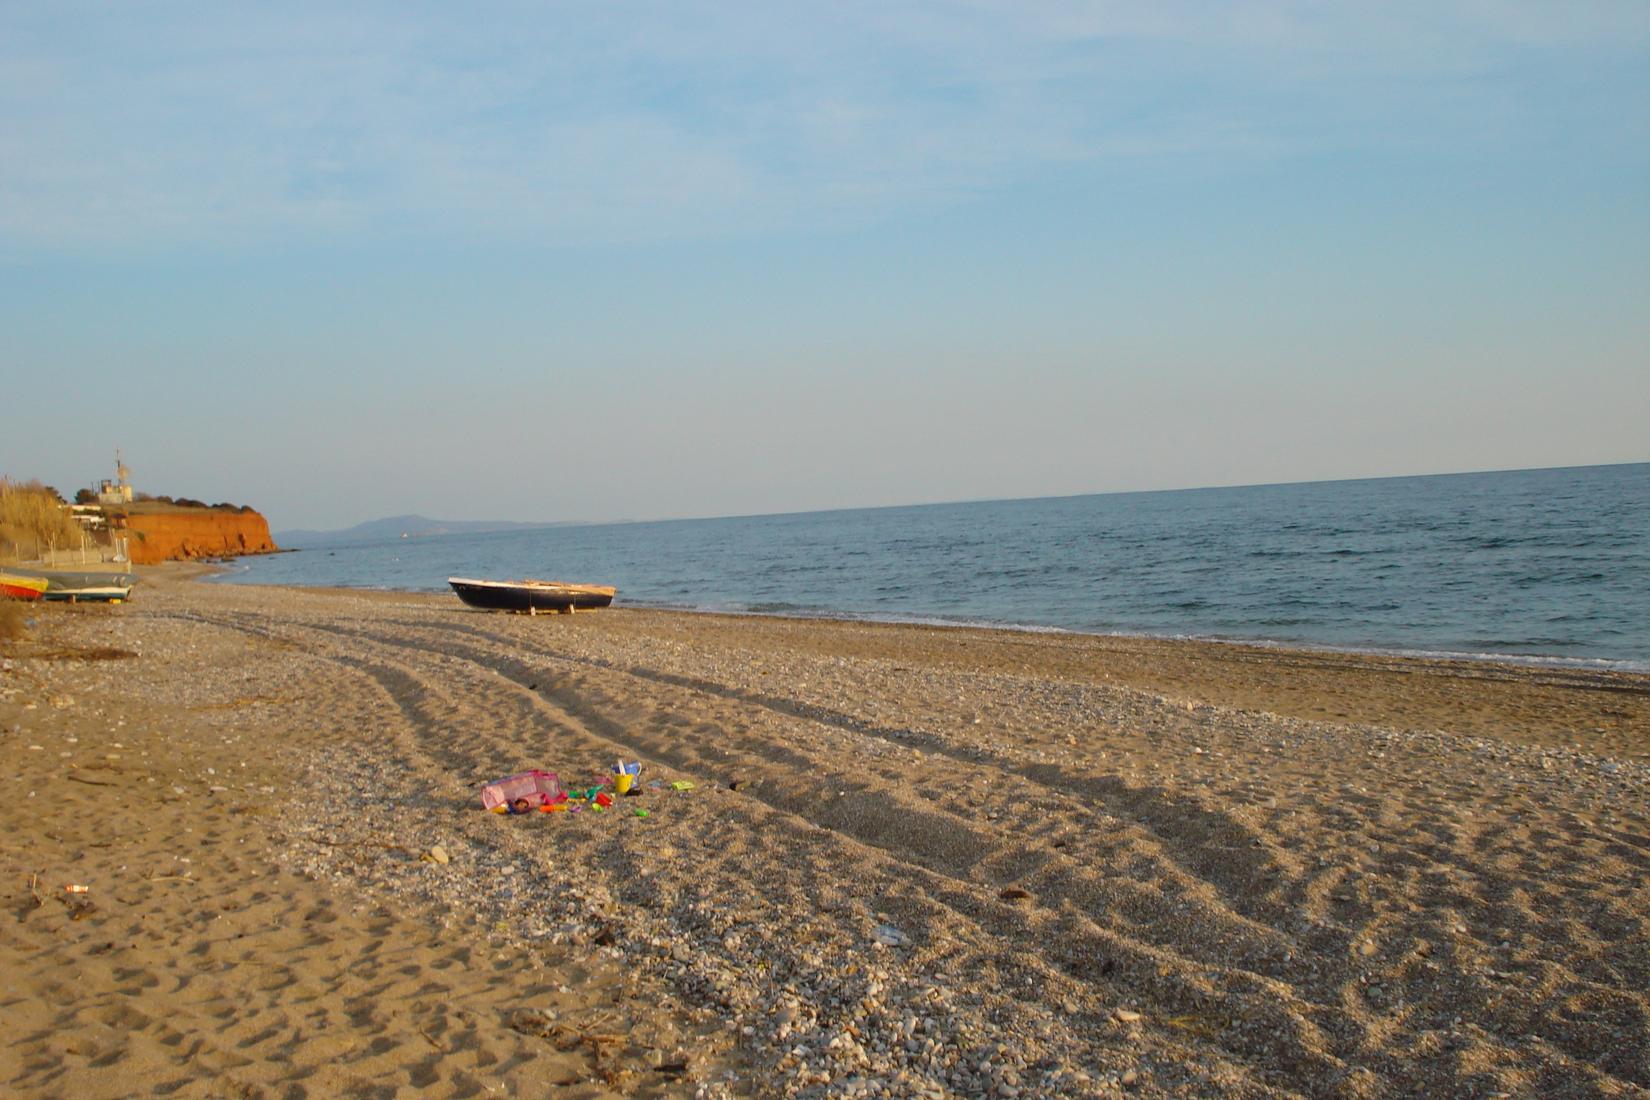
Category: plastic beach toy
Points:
column 624, row 775
column 537, row 787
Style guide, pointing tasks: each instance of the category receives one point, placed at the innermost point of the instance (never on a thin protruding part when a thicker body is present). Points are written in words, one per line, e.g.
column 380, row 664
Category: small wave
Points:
column 1600, row 664
column 1490, row 542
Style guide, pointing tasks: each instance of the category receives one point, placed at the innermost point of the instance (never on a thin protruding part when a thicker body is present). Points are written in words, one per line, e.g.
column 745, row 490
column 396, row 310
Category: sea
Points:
column 1541, row 566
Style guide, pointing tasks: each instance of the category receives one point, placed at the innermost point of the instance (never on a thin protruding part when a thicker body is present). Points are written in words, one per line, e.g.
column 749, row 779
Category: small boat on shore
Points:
column 532, row 597
column 19, row 587
column 73, row 586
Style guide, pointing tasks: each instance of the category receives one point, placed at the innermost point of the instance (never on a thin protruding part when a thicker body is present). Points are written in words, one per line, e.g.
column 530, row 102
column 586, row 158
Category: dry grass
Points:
column 32, row 520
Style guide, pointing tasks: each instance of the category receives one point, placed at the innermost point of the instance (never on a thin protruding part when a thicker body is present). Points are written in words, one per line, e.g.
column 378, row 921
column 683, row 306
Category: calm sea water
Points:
column 1539, row 564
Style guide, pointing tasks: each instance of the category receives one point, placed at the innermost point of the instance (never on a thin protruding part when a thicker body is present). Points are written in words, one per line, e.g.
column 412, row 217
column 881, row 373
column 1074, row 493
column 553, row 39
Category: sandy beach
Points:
column 875, row 860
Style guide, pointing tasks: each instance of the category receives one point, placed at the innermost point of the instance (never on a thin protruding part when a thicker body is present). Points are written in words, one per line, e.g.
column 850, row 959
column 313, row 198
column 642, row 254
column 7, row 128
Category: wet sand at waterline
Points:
column 911, row 861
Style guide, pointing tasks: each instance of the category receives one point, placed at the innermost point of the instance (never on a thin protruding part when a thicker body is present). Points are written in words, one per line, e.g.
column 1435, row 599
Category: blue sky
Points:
column 632, row 260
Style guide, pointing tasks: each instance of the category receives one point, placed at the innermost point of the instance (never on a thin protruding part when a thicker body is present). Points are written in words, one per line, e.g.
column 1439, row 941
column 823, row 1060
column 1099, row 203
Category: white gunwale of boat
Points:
column 559, row 586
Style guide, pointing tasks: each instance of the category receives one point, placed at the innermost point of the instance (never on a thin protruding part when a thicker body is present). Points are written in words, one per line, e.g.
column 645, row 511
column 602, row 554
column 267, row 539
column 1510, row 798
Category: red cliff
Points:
column 175, row 534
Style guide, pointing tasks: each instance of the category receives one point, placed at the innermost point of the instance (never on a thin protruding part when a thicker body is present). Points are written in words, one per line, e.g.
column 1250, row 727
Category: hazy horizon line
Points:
column 616, row 522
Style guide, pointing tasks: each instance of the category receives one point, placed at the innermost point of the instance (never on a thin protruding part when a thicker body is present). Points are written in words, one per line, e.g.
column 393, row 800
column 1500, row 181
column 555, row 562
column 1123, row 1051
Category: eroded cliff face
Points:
column 183, row 533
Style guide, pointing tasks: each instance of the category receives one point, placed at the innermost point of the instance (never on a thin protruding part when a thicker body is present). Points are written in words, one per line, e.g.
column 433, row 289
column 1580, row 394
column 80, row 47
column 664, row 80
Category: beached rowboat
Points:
column 531, row 597
column 18, row 587
column 74, row 586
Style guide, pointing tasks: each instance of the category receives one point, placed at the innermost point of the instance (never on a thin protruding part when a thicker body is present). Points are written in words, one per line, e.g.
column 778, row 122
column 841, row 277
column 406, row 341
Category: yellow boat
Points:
column 19, row 587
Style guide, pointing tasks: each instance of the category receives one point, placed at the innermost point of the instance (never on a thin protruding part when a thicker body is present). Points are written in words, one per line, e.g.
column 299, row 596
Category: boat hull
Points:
column 74, row 587
column 531, row 597
column 15, row 587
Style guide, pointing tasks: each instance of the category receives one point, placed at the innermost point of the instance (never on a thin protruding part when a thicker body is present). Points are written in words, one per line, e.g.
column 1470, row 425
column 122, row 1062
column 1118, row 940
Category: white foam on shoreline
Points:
column 1595, row 664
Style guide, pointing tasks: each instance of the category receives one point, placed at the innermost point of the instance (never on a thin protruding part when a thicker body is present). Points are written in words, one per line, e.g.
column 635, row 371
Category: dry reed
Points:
column 33, row 520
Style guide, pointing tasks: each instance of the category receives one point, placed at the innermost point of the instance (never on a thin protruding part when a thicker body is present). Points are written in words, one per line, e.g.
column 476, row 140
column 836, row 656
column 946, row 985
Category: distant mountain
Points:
column 395, row 527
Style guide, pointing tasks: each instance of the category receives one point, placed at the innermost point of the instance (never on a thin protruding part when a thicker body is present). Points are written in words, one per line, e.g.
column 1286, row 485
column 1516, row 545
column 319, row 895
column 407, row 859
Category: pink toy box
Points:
column 539, row 788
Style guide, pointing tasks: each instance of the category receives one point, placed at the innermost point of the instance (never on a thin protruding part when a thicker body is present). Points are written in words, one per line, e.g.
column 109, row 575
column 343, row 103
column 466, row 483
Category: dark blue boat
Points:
column 532, row 597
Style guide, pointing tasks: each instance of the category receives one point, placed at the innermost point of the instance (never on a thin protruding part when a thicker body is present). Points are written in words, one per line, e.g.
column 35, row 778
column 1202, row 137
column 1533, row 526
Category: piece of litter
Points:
column 536, row 787
column 889, row 936
column 76, row 888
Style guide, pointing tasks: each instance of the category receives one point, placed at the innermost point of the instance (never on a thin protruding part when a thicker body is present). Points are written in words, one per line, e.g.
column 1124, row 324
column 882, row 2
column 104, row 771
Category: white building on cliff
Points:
column 118, row 491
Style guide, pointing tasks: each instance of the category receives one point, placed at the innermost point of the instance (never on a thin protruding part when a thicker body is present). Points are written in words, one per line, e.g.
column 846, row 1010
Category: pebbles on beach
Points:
column 945, row 863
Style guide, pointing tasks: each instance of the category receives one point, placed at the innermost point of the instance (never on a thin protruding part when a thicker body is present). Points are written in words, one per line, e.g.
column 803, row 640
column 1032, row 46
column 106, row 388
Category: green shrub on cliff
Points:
column 32, row 519
column 190, row 502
